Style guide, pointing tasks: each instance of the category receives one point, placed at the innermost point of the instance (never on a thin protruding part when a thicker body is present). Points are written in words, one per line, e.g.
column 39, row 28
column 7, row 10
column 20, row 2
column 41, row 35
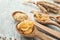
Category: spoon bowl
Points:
column 19, row 16
column 28, row 35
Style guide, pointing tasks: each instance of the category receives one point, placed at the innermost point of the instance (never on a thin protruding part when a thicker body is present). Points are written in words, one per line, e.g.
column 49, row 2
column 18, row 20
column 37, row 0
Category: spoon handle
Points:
column 42, row 8
column 48, row 30
column 55, row 23
column 41, row 36
column 54, row 17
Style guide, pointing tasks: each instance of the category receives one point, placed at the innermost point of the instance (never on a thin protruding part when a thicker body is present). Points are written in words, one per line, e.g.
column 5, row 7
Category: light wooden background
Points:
column 7, row 23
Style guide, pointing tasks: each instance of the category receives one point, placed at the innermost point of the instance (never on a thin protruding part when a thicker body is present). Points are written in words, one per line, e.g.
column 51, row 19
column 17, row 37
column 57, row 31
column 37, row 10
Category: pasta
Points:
column 40, row 17
column 19, row 16
column 26, row 26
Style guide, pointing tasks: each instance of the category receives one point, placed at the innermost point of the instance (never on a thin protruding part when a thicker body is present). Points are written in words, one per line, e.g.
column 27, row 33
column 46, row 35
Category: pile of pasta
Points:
column 20, row 16
column 26, row 26
column 40, row 17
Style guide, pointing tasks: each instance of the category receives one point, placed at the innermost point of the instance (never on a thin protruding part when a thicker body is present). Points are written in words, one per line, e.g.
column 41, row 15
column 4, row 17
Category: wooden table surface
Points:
column 7, row 23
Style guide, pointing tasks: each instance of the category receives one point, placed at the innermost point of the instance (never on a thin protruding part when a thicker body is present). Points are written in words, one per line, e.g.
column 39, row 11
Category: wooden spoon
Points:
column 40, row 17
column 41, row 8
column 48, row 30
column 51, row 32
column 19, row 16
column 57, row 1
column 47, row 7
column 57, row 18
column 50, row 6
column 35, row 33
